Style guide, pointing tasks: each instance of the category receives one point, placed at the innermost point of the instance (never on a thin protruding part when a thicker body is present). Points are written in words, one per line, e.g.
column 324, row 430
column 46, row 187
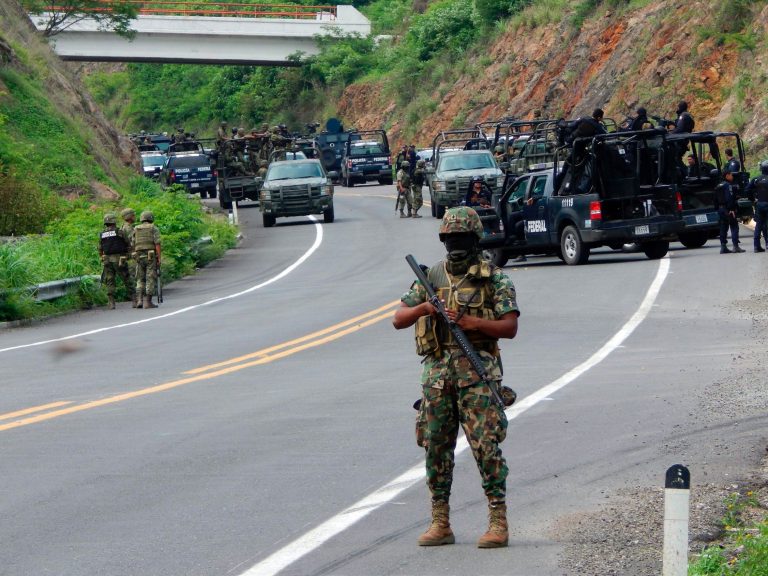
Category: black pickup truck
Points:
column 611, row 196
column 366, row 157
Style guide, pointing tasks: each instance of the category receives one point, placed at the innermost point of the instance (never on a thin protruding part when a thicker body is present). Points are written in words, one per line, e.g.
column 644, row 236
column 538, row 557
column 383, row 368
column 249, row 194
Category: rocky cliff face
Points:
column 22, row 49
column 650, row 56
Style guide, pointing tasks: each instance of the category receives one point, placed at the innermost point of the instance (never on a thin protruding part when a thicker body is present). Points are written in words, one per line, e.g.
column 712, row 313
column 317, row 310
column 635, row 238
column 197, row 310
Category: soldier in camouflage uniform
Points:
column 113, row 250
column 263, row 165
column 129, row 217
column 481, row 299
column 146, row 252
column 416, row 184
column 404, row 189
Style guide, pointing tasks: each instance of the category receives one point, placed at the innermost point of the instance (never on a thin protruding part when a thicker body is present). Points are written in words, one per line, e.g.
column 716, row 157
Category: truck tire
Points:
column 328, row 215
column 573, row 249
column 657, row 249
column 327, row 158
column 693, row 240
column 225, row 205
column 268, row 220
column 498, row 256
column 212, row 193
column 348, row 182
column 439, row 210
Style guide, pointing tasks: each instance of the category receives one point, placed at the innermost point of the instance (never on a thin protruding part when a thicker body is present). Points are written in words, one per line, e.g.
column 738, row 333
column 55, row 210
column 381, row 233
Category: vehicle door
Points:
column 536, row 211
column 511, row 208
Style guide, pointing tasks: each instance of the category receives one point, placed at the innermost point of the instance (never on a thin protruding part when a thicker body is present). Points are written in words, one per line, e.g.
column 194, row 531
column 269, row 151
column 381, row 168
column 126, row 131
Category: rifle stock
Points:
column 458, row 334
column 159, row 285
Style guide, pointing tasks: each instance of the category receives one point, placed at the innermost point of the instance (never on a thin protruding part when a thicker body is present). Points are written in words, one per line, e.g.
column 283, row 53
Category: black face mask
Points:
column 460, row 246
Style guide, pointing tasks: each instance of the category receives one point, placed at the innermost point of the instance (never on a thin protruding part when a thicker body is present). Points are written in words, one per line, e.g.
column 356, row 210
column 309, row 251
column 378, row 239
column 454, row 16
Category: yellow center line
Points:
column 264, row 358
column 267, row 351
column 26, row 411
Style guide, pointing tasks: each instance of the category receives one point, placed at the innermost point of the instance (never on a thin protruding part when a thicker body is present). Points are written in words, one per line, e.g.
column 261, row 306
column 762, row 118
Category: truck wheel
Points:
column 439, row 210
column 268, row 220
column 328, row 215
column 573, row 249
column 225, row 205
column 498, row 256
column 212, row 193
column 348, row 182
column 432, row 206
column 693, row 240
column 656, row 250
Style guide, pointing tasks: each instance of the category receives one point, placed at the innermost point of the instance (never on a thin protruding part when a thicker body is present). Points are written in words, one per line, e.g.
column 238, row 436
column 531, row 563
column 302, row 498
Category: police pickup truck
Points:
column 366, row 157
column 610, row 198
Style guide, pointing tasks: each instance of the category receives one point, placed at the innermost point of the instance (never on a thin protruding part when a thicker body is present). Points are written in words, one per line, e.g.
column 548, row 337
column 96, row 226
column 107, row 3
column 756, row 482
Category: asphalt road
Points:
column 242, row 427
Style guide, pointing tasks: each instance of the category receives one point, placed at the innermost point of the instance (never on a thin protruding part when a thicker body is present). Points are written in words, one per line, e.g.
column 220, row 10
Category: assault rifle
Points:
column 159, row 285
column 458, row 334
column 664, row 122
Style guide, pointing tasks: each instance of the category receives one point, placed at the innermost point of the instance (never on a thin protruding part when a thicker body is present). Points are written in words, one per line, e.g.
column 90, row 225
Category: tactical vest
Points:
column 418, row 177
column 471, row 295
column 761, row 188
column 113, row 243
column 143, row 237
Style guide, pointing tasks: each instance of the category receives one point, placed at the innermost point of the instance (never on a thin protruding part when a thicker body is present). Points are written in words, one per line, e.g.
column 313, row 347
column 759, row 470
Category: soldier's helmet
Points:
column 264, row 127
column 459, row 220
column 240, row 132
column 405, row 164
column 421, row 163
column 143, row 132
column 147, row 216
column 110, row 218
column 263, row 164
column 764, row 167
column 223, row 123
column 127, row 213
column 498, row 149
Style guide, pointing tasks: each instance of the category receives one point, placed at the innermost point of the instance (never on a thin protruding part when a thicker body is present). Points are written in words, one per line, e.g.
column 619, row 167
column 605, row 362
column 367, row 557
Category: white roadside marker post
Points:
column 234, row 213
column 677, row 490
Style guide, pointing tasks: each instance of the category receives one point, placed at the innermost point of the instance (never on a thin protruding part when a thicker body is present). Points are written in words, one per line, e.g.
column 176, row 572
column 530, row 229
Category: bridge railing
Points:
column 239, row 10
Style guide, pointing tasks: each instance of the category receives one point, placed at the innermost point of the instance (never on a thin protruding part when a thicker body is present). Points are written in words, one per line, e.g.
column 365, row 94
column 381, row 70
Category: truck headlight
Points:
column 438, row 186
column 327, row 189
column 266, row 195
column 500, row 181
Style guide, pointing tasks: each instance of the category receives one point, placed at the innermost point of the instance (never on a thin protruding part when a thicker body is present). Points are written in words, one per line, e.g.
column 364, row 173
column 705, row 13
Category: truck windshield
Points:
column 366, row 150
column 190, row 161
column 294, row 170
column 465, row 162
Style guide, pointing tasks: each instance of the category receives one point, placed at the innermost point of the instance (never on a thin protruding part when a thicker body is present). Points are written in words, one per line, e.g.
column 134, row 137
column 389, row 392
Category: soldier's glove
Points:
column 508, row 396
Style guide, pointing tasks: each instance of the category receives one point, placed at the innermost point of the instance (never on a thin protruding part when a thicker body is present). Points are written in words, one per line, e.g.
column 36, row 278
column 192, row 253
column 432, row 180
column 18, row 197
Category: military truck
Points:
column 234, row 185
column 697, row 182
column 296, row 188
column 612, row 196
column 366, row 157
column 457, row 157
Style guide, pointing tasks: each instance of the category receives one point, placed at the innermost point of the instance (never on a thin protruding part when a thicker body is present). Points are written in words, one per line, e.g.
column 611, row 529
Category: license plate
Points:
column 195, row 185
column 701, row 219
column 640, row 230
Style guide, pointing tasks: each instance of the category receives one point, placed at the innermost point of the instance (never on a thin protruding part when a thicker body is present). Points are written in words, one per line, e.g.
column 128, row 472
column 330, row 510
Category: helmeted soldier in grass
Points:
column 481, row 299
column 113, row 250
column 146, row 246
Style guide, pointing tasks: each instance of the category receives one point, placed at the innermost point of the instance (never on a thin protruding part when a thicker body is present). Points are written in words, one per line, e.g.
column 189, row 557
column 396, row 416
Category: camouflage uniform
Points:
column 404, row 190
column 416, row 184
column 453, row 394
column 128, row 216
column 113, row 249
column 146, row 246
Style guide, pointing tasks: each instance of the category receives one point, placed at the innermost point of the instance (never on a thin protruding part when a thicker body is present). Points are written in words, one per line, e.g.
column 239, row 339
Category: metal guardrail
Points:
column 58, row 288
column 175, row 8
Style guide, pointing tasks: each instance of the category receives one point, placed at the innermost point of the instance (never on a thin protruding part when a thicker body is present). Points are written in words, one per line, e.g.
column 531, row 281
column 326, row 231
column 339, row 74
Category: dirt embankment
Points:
column 22, row 48
column 651, row 56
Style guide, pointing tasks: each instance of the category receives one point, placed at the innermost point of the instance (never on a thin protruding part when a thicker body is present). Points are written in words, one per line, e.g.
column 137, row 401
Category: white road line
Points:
column 316, row 537
column 283, row 274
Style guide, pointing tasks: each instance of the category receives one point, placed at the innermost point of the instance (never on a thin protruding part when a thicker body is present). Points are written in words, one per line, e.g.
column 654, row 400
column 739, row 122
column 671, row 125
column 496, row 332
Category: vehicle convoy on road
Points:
column 366, row 157
column 612, row 196
column 458, row 156
column 296, row 188
column 192, row 170
column 698, row 180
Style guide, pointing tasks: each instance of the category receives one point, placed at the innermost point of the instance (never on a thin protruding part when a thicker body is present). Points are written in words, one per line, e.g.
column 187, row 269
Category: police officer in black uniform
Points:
column 758, row 189
column 726, row 205
column 113, row 250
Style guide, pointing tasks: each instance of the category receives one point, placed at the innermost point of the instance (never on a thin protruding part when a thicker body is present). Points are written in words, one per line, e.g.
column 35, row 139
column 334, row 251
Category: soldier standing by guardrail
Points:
column 146, row 246
column 129, row 217
column 113, row 250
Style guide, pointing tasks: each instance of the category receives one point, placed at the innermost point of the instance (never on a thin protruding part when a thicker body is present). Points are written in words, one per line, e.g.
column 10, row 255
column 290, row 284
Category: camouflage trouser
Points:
column 418, row 200
column 485, row 426
column 116, row 265
column 146, row 272
column 404, row 200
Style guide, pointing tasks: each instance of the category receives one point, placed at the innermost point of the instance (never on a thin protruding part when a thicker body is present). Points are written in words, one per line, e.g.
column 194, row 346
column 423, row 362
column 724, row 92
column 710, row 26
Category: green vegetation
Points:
column 744, row 549
column 69, row 248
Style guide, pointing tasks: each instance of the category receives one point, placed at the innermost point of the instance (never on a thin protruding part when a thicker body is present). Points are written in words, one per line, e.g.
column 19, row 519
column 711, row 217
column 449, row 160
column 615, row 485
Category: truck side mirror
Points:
column 333, row 175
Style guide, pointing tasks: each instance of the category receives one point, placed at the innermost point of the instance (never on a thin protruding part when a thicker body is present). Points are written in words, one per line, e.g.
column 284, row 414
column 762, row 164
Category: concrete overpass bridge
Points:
column 249, row 34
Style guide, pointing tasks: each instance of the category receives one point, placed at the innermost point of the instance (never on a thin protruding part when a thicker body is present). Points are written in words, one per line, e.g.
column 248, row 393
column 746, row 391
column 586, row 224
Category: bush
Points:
column 24, row 208
column 490, row 11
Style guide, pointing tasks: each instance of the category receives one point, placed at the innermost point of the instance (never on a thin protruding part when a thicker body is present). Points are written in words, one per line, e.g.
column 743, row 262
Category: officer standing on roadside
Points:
column 417, row 182
column 404, row 189
column 726, row 205
column 481, row 299
column 146, row 246
column 758, row 188
column 113, row 250
column 129, row 217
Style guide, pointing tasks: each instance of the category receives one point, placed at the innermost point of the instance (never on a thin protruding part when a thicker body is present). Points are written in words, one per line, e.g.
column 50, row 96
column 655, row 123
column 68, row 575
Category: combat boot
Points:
column 110, row 301
column 724, row 249
column 148, row 302
column 439, row 532
column 416, row 213
column 737, row 248
column 402, row 214
column 497, row 535
column 410, row 215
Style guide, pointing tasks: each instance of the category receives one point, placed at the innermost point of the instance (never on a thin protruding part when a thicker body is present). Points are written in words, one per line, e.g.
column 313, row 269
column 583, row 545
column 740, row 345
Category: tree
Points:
column 57, row 17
